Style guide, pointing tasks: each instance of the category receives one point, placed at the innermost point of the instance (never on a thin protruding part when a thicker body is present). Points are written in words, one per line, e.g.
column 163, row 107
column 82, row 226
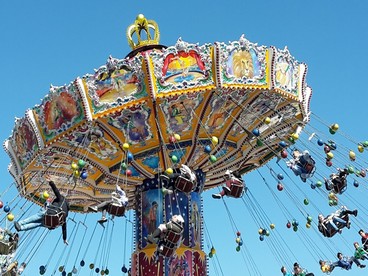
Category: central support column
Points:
column 154, row 208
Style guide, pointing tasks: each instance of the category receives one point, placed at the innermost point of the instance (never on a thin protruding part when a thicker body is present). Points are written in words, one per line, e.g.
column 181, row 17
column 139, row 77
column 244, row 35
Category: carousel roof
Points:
column 214, row 107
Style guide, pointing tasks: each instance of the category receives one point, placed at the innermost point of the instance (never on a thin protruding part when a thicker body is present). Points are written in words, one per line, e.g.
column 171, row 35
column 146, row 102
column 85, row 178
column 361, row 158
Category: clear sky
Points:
column 53, row 42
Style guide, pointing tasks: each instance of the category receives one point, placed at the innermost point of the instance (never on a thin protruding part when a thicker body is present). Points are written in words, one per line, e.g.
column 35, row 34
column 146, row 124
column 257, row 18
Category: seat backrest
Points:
column 236, row 188
column 116, row 200
column 116, row 210
column 308, row 165
column 167, row 251
column 309, row 168
column 53, row 221
column 170, row 241
column 172, row 237
column 184, row 184
column 174, row 231
column 328, row 231
column 175, row 227
column 340, row 186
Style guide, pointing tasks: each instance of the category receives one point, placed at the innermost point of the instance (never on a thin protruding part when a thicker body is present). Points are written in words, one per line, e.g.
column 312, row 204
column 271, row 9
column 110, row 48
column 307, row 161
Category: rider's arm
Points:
column 55, row 190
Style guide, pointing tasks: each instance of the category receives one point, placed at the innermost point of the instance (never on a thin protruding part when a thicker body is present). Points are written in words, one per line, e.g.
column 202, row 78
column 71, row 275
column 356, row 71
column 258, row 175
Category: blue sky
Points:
column 51, row 42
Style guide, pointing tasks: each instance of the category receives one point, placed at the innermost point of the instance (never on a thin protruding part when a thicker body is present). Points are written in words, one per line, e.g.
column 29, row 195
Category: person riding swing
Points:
column 184, row 181
column 302, row 164
column 115, row 206
column 337, row 181
column 53, row 215
column 167, row 235
column 234, row 187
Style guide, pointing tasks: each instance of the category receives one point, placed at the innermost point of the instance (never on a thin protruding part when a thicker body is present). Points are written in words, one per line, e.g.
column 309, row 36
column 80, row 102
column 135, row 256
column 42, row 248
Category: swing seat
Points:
column 332, row 231
column 116, row 210
column 170, row 243
column 167, row 251
column 172, row 237
column 53, row 221
column 309, row 167
column 340, row 187
column 236, row 188
column 183, row 184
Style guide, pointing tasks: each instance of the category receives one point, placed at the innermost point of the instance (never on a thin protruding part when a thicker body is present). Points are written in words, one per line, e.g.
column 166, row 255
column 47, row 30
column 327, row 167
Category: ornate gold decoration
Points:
column 142, row 24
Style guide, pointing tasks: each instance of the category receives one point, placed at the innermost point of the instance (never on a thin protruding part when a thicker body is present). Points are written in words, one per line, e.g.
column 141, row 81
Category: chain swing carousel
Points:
column 137, row 120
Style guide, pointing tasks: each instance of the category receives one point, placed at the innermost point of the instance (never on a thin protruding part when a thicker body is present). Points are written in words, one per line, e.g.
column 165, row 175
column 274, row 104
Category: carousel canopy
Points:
column 213, row 107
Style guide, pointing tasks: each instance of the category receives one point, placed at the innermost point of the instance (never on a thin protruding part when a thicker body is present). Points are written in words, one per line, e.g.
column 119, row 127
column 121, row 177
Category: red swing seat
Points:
column 236, row 188
column 53, row 221
column 170, row 243
column 116, row 210
column 309, row 168
column 171, row 239
column 183, row 184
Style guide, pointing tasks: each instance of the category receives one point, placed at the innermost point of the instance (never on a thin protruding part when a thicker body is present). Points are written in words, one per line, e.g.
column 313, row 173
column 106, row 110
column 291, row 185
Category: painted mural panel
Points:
column 151, row 160
column 195, row 220
column 243, row 62
column 286, row 72
column 255, row 111
column 60, row 110
column 222, row 107
column 177, row 204
column 94, row 141
column 198, row 153
column 47, row 161
column 152, row 215
column 24, row 141
column 179, row 112
column 118, row 82
column 183, row 66
column 134, row 123
column 179, row 265
column 148, row 266
column 199, row 264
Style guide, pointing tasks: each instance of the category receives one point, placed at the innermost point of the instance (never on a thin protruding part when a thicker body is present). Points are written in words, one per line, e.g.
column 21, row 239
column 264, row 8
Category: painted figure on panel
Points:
column 120, row 84
column 284, row 75
column 134, row 124
column 221, row 110
column 25, row 140
column 242, row 64
column 59, row 110
column 195, row 221
column 184, row 66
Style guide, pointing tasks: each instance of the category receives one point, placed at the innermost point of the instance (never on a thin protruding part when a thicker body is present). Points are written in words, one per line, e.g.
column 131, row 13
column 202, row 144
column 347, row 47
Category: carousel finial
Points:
column 142, row 24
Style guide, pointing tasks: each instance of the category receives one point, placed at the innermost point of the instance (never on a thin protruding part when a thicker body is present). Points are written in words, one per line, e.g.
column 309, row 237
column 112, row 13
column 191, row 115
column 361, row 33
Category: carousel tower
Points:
column 181, row 255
